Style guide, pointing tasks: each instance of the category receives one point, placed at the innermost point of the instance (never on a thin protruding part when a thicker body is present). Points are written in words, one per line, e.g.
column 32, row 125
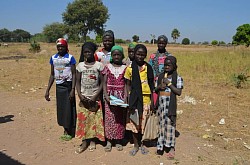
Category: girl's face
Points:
column 117, row 57
column 88, row 54
column 161, row 44
column 107, row 42
column 61, row 49
column 140, row 55
column 168, row 66
column 131, row 53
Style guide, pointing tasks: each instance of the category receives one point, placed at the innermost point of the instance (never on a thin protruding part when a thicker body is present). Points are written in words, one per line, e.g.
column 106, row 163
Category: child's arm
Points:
column 78, row 86
column 50, row 83
column 176, row 91
column 128, row 88
column 94, row 98
column 105, row 93
column 72, row 92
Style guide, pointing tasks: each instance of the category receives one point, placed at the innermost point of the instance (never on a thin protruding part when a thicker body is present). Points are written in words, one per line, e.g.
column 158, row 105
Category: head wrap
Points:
column 132, row 45
column 163, row 37
column 90, row 45
column 119, row 48
column 140, row 46
column 173, row 61
column 62, row 41
column 109, row 33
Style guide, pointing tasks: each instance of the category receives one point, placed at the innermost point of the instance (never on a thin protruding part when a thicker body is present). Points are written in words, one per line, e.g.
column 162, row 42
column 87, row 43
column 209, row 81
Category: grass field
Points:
column 209, row 92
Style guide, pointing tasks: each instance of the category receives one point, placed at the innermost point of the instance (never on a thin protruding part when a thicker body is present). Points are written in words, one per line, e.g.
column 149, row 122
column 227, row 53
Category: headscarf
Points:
column 132, row 45
column 109, row 33
column 119, row 48
column 163, row 37
column 90, row 45
column 173, row 61
column 62, row 41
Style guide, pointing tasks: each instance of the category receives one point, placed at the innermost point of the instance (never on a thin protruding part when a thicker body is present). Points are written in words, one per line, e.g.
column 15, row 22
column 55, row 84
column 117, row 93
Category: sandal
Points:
column 170, row 155
column 144, row 150
column 119, row 147
column 81, row 148
column 108, row 147
column 66, row 137
column 133, row 151
column 92, row 146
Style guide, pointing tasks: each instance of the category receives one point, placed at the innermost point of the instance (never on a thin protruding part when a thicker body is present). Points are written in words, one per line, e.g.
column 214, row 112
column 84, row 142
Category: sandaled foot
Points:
column 92, row 146
column 134, row 151
column 144, row 150
column 119, row 147
column 66, row 137
column 108, row 147
column 170, row 155
column 81, row 148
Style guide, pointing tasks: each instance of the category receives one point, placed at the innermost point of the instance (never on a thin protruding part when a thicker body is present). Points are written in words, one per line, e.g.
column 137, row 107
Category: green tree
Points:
column 242, row 35
column 175, row 34
column 214, row 42
column 135, row 38
column 185, row 41
column 20, row 35
column 5, row 35
column 98, row 38
column 84, row 16
column 54, row 31
column 39, row 37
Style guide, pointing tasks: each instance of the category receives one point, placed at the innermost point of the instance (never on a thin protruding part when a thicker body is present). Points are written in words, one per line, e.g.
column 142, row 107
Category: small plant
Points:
column 35, row 47
column 240, row 78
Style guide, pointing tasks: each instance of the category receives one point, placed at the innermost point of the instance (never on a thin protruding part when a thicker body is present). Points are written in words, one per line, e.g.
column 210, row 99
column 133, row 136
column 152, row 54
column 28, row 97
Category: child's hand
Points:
column 47, row 97
column 166, row 81
column 72, row 95
column 107, row 98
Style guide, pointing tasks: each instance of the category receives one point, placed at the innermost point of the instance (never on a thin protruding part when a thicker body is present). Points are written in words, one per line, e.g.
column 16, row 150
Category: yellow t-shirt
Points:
column 143, row 77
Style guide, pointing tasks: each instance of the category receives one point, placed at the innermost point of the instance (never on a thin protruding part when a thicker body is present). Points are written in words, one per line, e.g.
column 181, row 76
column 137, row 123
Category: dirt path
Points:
column 30, row 135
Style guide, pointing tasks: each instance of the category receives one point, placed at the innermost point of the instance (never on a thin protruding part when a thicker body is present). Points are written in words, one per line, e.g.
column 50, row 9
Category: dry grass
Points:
column 207, row 73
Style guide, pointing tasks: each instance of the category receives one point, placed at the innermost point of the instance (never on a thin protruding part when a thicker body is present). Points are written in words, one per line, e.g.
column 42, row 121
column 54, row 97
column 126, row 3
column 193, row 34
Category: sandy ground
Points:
column 30, row 135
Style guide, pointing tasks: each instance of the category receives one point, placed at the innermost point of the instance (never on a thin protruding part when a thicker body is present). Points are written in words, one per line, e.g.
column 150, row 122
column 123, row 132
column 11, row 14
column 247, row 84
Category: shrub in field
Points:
column 240, row 78
column 35, row 47
column 214, row 42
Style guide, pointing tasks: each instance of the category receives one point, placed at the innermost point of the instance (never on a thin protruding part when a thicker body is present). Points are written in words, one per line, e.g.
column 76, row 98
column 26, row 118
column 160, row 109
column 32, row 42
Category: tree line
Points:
column 84, row 16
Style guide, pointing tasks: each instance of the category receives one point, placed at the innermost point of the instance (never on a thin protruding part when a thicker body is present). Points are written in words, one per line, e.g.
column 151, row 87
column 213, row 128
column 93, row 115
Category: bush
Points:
column 240, row 78
column 214, row 42
column 35, row 47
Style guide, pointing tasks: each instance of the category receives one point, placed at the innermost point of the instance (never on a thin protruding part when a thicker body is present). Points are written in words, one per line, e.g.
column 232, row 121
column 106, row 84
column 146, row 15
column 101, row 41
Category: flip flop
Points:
column 92, row 146
column 144, row 150
column 108, row 147
column 170, row 155
column 66, row 137
column 81, row 148
column 133, row 151
column 119, row 147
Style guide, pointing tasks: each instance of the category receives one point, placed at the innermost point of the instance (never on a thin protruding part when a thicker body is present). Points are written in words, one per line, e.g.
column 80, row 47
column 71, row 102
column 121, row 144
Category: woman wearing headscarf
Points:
column 156, row 60
column 108, row 41
column 63, row 70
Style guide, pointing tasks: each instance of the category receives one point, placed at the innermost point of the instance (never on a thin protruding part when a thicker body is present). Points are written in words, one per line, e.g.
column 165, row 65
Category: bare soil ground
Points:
column 30, row 134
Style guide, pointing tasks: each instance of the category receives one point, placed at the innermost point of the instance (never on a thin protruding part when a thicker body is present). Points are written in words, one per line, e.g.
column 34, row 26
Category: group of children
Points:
column 143, row 86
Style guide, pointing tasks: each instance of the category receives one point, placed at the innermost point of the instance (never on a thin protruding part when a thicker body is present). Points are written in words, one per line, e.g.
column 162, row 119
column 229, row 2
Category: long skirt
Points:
column 66, row 109
column 143, row 118
column 89, row 124
column 167, row 127
column 114, row 122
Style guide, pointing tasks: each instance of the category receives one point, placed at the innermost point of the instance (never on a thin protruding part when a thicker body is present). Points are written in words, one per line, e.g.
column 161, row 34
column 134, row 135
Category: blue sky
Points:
column 198, row 20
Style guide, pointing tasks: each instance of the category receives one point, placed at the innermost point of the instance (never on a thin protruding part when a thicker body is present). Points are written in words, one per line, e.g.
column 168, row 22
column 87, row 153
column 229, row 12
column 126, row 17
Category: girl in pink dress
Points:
column 114, row 84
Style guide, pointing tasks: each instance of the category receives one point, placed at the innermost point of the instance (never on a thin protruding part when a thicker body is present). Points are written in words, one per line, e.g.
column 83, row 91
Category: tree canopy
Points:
column 175, row 34
column 84, row 16
column 185, row 41
column 242, row 35
column 135, row 38
column 54, row 31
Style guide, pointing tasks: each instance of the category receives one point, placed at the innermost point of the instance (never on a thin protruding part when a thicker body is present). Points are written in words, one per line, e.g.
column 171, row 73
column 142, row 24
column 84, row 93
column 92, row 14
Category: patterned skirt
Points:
column 89, row 124
column 142, row 121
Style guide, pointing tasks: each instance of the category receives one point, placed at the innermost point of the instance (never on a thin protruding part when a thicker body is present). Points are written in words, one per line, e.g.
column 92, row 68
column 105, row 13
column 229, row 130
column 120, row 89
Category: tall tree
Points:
column 153, row 38
column 20, row 35
column 54, row 31
column 135, row 38
column 84, row 16
column 242, row 35
column 5, row 35
column 175, row 34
